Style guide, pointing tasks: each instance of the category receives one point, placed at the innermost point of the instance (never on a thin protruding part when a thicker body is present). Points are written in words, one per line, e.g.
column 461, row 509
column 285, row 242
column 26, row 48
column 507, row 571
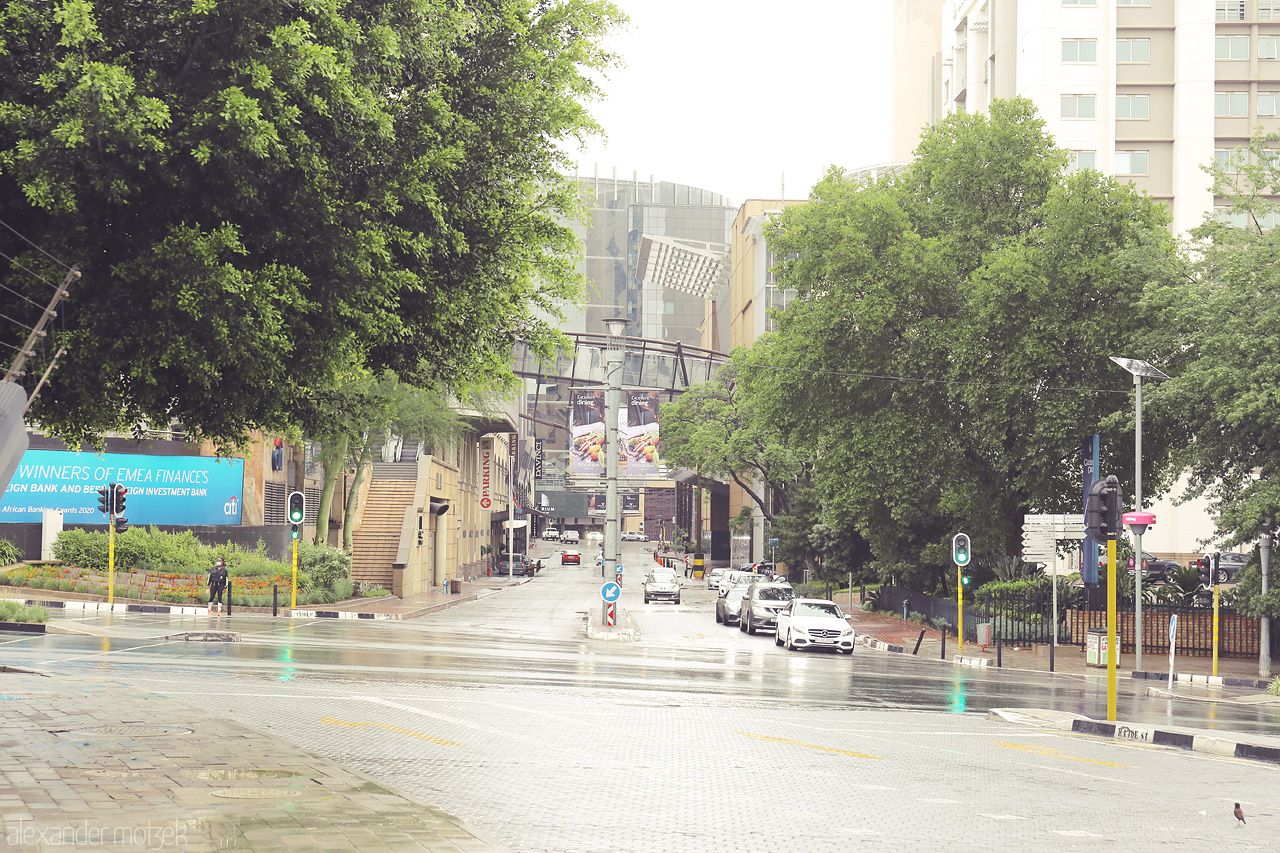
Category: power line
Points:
column 34, row 246
column 33, row 274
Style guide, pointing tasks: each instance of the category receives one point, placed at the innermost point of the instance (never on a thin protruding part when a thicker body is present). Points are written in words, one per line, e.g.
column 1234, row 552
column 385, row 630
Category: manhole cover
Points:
column 255, row 793
column 128, row 730
column 231, row 774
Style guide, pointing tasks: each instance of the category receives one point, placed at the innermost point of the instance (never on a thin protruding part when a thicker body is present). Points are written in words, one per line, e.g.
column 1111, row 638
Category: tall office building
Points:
column 1147, row 90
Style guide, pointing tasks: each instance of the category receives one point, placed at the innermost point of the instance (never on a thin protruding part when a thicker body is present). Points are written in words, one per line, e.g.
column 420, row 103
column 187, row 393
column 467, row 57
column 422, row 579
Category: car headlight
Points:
column 846, row 632
column 798, row 629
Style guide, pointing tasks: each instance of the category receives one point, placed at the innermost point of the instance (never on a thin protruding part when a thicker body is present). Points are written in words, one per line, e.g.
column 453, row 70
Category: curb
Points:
column 963, row 660
column 1178, row 740
column 1214, row 680
column 872, row 643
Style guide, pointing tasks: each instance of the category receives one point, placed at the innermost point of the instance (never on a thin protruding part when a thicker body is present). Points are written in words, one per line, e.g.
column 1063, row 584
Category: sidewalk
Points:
column 94, row 765
column 428, row 602
column 900, row 635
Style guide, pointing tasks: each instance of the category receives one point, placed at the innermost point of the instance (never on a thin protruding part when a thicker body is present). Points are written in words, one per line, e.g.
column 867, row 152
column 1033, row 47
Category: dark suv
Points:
column 1153, row 568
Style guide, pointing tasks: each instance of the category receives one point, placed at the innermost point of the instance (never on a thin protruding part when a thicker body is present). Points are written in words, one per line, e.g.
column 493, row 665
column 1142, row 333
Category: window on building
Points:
column 1083, row 160
column 1079, row 2
column 1266, row 219
column 1079, row 106
column 1268, row 103
column 1133, row 50
column 1079, row 50
column 1229, row 10
column 1227, row 104
column 1268, row 10
column 1133, row 2
column 1267, row 47
column 1229, row 159
column 1133, row 162
column 1133, row 106
column 1231, row 47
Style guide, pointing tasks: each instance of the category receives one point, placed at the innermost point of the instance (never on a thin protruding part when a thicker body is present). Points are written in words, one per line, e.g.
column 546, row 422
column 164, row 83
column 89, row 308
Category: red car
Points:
column 570, row 558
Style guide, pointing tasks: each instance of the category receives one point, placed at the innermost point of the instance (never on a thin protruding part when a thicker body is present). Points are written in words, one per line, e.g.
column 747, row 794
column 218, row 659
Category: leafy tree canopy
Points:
column 260, row 194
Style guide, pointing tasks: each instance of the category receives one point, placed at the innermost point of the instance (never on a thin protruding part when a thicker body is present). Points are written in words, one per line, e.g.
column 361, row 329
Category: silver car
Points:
column 729, row 606
column 662, row 585
column 813, row 623
column 760, row 605
column 713, row 578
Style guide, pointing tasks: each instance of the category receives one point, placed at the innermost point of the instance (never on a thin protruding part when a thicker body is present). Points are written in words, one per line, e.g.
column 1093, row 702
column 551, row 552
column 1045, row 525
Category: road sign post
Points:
column 609, row 593
column 1173, row 633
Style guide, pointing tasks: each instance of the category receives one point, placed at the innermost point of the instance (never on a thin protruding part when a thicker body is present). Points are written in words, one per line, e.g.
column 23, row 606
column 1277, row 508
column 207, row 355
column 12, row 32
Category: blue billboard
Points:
column 184, row 490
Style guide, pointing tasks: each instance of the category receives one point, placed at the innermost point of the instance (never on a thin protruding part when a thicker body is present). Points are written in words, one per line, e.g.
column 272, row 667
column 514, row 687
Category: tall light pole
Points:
column 613, row 359
column 1139, row 369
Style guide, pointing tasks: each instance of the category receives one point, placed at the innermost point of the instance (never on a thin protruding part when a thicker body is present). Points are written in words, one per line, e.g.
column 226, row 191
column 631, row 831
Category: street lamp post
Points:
column 613, row 356
column 1139, row 369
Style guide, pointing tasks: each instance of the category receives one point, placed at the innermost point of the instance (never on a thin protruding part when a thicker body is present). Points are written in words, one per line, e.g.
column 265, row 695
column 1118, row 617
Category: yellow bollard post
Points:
column 960, row 605
column 1112, row 647
column 293, row 604
column 111, row 558
column 1215, row 629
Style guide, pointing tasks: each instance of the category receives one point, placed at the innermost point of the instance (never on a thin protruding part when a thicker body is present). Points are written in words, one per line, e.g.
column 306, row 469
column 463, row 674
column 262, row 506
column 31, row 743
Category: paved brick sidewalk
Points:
column 95, row 766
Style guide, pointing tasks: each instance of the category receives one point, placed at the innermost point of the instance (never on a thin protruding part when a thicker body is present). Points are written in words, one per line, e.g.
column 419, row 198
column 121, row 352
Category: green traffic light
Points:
column 293, row 531
column 964, row 579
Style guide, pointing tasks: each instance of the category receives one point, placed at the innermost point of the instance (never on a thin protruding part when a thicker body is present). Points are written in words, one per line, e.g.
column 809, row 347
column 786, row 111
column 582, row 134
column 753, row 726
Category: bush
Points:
column 82, row 548
column 10, row 553
column 13, row 611
column 325, row 565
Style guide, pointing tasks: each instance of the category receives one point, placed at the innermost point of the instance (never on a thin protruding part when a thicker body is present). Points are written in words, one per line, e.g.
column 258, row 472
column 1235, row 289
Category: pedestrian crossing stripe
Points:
column 811, row 746
column 407, row 732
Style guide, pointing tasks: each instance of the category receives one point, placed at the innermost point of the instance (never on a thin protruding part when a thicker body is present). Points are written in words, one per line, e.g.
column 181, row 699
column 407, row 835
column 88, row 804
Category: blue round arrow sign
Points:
column 610, row 591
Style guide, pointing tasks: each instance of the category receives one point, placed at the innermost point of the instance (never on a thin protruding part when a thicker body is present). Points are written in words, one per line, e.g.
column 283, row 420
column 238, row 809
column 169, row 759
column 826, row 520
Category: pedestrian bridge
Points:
column 649, row 364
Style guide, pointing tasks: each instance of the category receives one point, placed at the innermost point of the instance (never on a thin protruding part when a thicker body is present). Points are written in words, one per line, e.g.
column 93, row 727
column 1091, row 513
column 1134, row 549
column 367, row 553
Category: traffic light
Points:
column 105, row 495
column 122, row 524
column 1205, row 566
column 293, row 532
column 1102, row 509
column 964, row 580
column 960, row 552
column 297, row 508
column 118, row 506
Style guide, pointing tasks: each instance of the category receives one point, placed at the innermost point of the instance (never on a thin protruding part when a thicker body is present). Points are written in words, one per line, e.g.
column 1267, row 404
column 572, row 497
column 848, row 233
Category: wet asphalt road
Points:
column 695, row 737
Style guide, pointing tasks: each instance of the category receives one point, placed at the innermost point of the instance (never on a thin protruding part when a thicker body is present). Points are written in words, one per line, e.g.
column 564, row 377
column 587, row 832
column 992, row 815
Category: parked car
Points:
column 551, row 534
column 713, row 577
column 1153, row 568
column 761, row 603
column 729, row 606
column 662, row 585
column 1230, row 565
column 813, row 623
column 520, row 565
column 570, row 536
column 737, row 577
column 570, row 558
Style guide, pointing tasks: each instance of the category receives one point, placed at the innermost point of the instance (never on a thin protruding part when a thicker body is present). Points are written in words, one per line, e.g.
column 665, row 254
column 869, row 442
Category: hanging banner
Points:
column 596, row 504
column 586, row 433
column 486, row 474
column 640, row 437
column 190, row 490
column 538, row 456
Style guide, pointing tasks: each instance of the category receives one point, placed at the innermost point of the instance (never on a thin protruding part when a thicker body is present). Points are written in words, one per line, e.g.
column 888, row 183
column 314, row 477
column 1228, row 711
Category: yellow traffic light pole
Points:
column 1112, row 651
column 1215, row 627
column 111, row 558
column 960, row 604
column 293, row 604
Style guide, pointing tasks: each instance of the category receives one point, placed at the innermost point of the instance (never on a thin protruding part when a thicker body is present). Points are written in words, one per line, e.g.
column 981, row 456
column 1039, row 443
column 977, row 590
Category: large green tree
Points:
column 260, row 193
column 950, row 348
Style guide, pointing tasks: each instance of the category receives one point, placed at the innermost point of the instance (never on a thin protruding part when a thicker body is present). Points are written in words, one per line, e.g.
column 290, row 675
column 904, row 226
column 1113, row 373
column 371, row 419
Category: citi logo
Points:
column 231, row 507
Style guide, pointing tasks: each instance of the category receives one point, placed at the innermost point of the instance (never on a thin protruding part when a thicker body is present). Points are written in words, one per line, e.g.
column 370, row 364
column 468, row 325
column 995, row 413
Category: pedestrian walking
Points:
column 217, row 583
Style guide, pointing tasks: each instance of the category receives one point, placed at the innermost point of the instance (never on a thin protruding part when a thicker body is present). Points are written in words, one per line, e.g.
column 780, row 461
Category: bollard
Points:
column 944, row 642
column 275, row 599
column 919, row 640
column 229, row 582
column 999, row 650
column 1051, row 645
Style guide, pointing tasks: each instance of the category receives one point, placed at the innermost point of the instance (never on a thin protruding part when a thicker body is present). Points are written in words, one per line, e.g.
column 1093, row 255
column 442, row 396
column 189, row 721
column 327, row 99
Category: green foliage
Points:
column 10, row 553
column 1274, row 687
column 1010, row 567
column 373, row 592
column 947, row 318
column 377, row 184
column 82, row 548
column 1249, row 599
column 325, row 565
column 13, row 611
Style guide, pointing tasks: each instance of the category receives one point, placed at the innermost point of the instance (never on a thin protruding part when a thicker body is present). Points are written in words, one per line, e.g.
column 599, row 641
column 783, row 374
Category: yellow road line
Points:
column 811, row 746
column 1046, row 750
column 407, row 732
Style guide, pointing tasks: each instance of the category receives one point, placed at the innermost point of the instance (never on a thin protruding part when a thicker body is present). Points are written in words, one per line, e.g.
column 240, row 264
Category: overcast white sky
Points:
column 729, row 96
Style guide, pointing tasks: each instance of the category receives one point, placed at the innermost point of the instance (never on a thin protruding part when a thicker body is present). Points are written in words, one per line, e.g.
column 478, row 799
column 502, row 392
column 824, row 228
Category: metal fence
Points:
column 1027, row 617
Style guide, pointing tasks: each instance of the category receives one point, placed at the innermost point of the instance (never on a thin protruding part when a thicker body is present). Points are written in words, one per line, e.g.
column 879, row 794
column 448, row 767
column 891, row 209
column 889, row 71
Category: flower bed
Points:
column 173, row 587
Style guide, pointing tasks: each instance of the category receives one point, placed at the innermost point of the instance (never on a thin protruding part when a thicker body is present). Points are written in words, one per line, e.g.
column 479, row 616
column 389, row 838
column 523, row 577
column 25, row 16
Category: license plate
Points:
column 823, row 640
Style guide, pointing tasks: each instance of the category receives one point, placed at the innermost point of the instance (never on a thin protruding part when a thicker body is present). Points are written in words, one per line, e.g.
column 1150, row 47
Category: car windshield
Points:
column 735, row 595
column 819, row 608
column 776, row 593
column 662, row 577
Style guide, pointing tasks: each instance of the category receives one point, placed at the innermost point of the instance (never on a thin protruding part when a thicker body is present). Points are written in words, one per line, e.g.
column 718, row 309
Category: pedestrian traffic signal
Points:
column 118, row 506
column 297, row 508
column 964, row 580
column 1102, row 509
column 293, row 532
column 122, row 524
column 105, row 495
column 960, row 552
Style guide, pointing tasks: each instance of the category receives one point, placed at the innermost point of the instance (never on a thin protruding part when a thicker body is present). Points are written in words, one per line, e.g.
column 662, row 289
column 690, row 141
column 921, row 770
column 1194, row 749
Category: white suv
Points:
column 551, row 534
column 569, row 536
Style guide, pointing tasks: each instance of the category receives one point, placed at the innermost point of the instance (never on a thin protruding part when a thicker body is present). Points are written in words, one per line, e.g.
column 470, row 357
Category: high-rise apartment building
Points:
column 1150, row 91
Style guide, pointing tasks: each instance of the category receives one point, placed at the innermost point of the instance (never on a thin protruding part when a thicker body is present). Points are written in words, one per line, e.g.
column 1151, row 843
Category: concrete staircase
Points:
column 375, row 543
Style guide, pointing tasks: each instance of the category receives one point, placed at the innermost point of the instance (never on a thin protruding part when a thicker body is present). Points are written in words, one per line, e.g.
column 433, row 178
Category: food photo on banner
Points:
column 630, row 504
column 586, row 433
column 641, row 436
column 181, row 490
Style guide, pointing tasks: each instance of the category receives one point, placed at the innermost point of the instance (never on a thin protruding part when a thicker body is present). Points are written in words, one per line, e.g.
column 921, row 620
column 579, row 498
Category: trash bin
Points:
column 455, row 585
column 1095, row 647
column 984, row 634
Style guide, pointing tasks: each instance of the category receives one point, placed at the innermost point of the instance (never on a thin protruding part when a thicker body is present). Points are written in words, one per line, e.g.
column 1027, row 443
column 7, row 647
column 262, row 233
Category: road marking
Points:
column 1075, row 833
column 1050, row 751
column 407, row 732
column 1001, row 816
column 810, row 745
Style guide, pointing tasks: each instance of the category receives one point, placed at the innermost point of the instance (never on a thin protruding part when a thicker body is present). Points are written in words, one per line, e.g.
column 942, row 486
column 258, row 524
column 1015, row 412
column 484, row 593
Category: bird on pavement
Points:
column 1240, row 814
